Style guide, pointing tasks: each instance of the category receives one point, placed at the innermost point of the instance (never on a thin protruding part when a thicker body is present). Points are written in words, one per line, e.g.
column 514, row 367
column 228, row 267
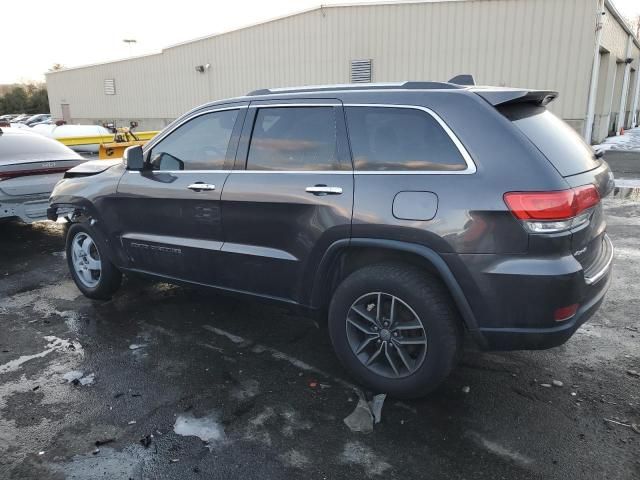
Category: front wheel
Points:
column 94, row 275
column 395, row 328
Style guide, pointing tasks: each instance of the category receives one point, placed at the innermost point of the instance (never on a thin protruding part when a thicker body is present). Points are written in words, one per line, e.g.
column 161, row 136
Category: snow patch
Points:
column 357, row 453
column 54, row 344
column 206, row 428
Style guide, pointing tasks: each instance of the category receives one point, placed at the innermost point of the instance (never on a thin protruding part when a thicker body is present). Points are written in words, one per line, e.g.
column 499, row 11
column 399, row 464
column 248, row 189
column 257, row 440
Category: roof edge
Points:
column 255, row 24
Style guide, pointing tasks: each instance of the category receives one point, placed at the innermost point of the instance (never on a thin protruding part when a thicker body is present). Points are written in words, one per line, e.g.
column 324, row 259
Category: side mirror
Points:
column 133, row 158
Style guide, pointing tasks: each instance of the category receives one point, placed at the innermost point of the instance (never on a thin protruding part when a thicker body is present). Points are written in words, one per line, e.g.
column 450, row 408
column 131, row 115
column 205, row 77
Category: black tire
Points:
column 109, row 278
column 429, row 300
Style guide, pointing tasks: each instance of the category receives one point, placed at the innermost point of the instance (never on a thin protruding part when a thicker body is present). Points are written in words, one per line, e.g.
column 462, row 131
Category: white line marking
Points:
column 278, row 355
column 501, row 451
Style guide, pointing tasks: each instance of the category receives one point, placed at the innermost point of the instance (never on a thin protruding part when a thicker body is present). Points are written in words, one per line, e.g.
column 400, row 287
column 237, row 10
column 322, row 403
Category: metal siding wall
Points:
column 528, row 43
column 614, row 38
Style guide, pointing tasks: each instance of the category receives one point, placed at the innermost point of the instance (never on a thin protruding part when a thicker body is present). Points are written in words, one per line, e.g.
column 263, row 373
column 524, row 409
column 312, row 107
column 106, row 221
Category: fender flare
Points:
column 427, row 253
column 90, row 217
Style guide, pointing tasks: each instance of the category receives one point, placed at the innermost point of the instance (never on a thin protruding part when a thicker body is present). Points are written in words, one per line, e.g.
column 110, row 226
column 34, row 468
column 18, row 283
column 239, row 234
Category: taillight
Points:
column 548, row 212
column 27, row 173
column 565, row 313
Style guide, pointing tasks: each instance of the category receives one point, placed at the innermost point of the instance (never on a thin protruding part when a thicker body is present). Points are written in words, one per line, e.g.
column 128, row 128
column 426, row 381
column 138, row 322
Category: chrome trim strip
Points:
column 329, row 190
column 601, row 273
column 471, row 166
column 179, row 171
column 257, row 251
column 177, row 241
column 201, row 187
column 299, row 172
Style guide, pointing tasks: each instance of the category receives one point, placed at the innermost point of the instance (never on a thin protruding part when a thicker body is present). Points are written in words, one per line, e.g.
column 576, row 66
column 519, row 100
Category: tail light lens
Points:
column 548, row 212
column 27, row 173
column 565, row 313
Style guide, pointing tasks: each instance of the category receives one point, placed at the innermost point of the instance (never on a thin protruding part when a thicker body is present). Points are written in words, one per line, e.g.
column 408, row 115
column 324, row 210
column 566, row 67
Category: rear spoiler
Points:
column 506, row 96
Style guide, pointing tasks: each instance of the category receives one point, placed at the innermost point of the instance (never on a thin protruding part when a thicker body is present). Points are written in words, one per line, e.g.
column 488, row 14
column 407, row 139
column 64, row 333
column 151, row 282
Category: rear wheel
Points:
column 395, row 328
column 92, row 272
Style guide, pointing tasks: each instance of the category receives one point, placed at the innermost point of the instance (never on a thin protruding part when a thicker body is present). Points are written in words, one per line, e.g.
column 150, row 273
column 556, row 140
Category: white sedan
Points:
column 30, row 166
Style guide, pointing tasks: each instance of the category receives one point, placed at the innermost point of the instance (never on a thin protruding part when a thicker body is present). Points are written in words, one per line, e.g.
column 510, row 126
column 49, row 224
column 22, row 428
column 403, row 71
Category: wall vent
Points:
column 361, row 71
column 109, row 86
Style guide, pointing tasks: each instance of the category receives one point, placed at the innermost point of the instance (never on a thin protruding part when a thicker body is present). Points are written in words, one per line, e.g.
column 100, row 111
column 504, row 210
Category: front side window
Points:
column 294, row 139
column 199, row 144
column 388, row 138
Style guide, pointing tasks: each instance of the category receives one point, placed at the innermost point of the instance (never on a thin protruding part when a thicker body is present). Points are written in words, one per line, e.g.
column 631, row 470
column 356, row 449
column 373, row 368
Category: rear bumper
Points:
column 28, row 210
column 543, row 338
column 514, row 297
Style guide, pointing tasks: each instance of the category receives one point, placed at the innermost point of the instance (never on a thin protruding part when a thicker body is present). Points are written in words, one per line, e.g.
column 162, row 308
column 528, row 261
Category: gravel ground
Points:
column 159, row 369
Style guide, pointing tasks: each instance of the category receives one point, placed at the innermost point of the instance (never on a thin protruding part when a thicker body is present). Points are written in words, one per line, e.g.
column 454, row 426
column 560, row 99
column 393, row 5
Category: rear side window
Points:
column 199, row 144
column 294, row 139
column 557, row 141
column 387, row 138
column 31, row 146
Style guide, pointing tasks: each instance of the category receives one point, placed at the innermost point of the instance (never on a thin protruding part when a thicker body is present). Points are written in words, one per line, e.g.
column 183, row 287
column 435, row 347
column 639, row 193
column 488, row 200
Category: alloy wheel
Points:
column 386, row 335
column 86, row 260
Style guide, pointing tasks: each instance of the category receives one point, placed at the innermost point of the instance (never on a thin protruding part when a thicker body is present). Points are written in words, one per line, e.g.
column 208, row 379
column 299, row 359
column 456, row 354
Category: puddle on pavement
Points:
column 207, row 428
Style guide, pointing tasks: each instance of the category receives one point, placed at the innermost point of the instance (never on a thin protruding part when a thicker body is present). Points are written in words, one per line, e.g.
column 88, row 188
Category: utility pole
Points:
column 130, row 42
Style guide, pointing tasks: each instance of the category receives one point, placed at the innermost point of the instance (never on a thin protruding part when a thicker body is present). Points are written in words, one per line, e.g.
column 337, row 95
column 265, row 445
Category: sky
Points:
column 81, row 32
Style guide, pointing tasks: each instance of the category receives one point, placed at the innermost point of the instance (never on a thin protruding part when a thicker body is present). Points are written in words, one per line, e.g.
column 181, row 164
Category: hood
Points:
column 92, row 167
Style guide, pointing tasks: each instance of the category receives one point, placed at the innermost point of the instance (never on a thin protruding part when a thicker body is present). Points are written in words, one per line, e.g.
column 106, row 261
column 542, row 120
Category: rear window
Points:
column 390, row 138
column 25, row 146
column 557, row 141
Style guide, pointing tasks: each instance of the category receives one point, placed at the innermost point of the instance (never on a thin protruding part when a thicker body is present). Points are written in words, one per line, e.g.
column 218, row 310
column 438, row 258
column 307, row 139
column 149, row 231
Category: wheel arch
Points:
column 345, row 256
column 85, row 212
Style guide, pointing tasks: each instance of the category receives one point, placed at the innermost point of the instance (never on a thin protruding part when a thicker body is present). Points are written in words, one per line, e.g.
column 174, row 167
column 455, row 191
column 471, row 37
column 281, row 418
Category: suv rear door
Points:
column 169, row 213
column 288, row 198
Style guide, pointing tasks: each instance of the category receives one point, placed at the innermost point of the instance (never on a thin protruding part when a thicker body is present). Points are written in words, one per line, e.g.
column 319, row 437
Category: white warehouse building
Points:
column 581, row 48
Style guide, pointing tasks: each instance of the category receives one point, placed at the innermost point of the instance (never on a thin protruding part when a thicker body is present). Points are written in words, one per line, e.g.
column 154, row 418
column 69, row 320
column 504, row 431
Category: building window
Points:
column 109, row 86
column 361, row 71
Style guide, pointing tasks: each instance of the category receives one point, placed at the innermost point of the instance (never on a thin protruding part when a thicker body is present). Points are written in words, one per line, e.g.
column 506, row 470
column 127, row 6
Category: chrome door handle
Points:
column 197, row 187
column 324, row 190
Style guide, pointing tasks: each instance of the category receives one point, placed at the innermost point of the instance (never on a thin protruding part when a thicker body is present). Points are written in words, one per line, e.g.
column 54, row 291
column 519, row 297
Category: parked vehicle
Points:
column 412, row 214
column 30, row 166
column 41, row 117
column 20, row 118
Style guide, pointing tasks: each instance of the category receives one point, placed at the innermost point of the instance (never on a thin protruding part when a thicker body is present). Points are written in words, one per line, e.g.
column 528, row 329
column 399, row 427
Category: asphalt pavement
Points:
column 171, row 382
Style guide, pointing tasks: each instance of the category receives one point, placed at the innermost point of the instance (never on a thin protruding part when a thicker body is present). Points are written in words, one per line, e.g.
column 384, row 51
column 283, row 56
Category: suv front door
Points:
column 170, row 216
column 288, row 198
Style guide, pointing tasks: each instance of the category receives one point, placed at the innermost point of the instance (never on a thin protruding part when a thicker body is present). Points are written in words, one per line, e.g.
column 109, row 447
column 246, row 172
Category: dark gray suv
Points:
column 412, row 214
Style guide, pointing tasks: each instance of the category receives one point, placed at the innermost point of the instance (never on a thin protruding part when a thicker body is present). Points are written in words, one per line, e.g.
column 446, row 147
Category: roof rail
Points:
column 357, row 86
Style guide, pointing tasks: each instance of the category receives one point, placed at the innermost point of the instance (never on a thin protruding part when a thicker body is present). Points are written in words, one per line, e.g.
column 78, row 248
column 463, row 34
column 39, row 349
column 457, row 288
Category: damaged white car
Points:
column 30, row 166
